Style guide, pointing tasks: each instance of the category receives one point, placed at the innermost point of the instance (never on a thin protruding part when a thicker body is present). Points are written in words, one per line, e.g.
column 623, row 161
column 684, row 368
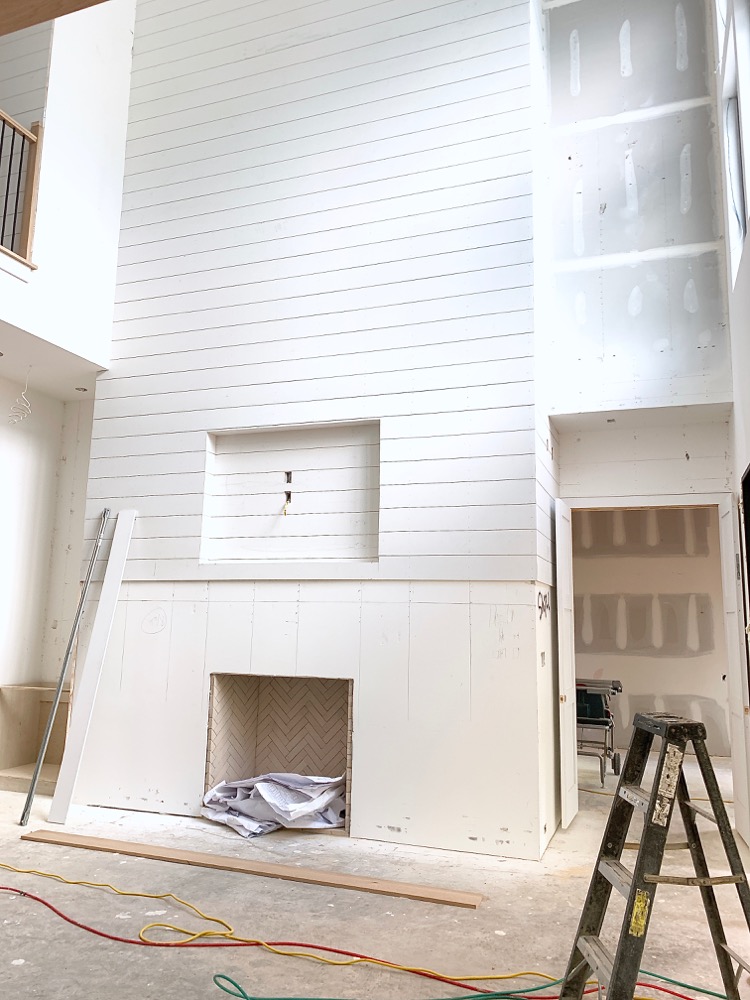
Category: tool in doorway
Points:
column 63, row 671
column 619, row 972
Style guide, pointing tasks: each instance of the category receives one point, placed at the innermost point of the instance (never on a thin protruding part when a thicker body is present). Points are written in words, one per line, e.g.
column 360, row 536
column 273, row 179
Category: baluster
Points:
column 7, row 184
column 24, row 144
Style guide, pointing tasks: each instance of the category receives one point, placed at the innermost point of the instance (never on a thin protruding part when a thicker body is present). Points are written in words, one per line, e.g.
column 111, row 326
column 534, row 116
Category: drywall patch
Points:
column 575, row 63
column 686, row 178
column 666, row 625
column 652, row 532
column 681, row 38
column 626, row 62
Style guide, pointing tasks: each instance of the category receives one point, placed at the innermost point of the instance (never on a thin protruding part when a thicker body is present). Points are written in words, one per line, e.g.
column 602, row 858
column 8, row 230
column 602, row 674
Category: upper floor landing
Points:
column 64, row 88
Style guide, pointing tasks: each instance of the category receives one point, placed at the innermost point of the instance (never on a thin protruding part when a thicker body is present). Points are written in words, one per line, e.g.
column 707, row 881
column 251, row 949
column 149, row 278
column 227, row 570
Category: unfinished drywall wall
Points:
column 733, row 72
column 635, row 258
column 649, row 612
column 30, row 452
column 663, row 452
column 444, row 711
column 67, row 537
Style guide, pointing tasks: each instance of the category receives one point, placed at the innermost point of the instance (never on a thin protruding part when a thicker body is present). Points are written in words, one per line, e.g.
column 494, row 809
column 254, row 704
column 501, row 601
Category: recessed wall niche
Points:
column 293, row 493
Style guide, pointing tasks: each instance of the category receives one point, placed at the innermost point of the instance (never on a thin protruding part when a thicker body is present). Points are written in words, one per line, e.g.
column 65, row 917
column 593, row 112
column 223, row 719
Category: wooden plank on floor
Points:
column 336, row 880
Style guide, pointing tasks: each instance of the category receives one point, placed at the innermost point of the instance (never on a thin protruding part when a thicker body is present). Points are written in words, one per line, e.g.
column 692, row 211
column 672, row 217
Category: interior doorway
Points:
column 648, row 614
column 648, row 596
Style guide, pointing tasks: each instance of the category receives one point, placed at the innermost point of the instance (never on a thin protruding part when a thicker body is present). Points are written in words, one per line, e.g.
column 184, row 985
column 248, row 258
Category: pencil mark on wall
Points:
column 544, row 604
column 154, row 622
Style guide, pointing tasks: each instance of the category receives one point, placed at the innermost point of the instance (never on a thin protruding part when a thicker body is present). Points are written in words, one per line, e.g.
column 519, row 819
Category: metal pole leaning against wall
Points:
column 63, row 671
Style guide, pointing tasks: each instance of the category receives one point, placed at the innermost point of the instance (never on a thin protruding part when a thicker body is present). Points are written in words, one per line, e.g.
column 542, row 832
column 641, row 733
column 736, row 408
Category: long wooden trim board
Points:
column 383, row 887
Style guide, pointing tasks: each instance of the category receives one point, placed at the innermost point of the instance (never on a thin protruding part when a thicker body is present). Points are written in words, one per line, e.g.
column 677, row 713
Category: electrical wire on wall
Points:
column 22, row 407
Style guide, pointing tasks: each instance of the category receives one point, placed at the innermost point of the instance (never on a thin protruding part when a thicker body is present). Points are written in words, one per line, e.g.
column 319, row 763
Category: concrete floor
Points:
column 526, row 921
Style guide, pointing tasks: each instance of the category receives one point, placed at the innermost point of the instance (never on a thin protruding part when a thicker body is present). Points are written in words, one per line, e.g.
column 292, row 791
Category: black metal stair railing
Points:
column 18, row 177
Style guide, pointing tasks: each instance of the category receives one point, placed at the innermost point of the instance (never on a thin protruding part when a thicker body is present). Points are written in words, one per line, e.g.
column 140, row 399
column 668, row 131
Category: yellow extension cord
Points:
column 228, row 934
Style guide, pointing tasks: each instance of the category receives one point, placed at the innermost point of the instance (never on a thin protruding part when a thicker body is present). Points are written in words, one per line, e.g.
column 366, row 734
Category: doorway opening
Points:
column 648, row 596
column 648, row 610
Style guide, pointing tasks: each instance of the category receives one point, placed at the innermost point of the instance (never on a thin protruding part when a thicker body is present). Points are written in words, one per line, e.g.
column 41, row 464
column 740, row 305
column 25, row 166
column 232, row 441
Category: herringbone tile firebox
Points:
column 259, row 724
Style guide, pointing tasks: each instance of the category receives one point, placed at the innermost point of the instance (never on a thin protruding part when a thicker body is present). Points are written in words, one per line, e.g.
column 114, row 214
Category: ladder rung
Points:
column 616, row 873
column 733, row 954
column 701, row 812
column 636, row 796
column 700, row 880
column 597, row 956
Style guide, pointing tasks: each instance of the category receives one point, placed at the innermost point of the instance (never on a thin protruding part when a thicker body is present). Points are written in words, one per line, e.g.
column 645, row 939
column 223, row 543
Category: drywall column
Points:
column 67, row 537
column 637, row 277
column 68, row 299
column 30, row 460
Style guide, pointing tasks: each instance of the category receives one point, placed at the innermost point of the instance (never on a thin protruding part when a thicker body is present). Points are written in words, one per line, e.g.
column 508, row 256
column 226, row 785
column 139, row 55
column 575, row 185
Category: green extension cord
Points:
column 237, row 991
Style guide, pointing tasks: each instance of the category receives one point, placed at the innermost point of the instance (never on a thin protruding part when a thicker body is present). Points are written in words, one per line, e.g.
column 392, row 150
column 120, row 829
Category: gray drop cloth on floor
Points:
column 254, row 806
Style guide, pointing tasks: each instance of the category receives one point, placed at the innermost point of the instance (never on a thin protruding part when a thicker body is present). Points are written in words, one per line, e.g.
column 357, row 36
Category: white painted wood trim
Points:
column 566, row 664
column 659, row 500
column 88, row 680
column 739, row 695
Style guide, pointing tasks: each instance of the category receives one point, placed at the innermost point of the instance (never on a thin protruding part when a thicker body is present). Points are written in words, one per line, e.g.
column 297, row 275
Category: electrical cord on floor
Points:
column 220, row 979
column 228, row 938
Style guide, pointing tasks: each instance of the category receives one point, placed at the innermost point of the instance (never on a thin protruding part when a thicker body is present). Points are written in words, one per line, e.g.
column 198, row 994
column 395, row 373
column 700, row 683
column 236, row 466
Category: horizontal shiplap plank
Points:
column 416, row 426
column 322, row 56
column 262, row 280
column 455, row 567
column 511, row 287
column 409, row 496
column 514, row 336
column 487, row 349
column 492, row 52
column 354, row 137
column 161, row 339
column 500, row 242
column 492, row 177
column 372, row 407
column 253, row 24
column 335, row 114
column 512, row 372
column 393, row 217
column 453, row 228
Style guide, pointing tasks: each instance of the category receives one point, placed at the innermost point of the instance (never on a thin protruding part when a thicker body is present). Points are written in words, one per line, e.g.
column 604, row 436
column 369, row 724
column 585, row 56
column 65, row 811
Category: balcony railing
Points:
column 19, row 174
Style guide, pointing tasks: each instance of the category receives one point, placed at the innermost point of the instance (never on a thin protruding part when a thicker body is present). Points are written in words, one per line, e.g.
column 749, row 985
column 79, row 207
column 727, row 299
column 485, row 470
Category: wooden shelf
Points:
column 18, row 779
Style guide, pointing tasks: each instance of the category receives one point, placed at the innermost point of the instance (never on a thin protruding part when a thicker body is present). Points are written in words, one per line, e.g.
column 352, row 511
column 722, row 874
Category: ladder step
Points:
column 702, row 812
column 597, row 956
column 616, row 873
column 636, row 796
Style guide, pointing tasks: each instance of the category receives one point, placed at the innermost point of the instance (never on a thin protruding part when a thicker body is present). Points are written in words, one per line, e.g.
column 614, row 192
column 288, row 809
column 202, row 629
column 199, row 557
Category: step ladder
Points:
column 619, row 972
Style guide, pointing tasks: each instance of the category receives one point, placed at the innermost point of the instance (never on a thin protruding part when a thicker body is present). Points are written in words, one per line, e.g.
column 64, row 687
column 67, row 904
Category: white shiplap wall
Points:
column 24, row 67
column 327, row 217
